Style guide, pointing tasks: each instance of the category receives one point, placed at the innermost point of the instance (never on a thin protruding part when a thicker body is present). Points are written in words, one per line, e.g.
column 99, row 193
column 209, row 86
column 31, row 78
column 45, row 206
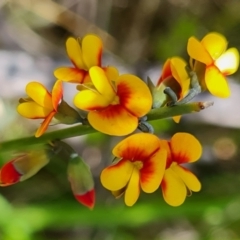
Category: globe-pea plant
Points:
column 123, row 105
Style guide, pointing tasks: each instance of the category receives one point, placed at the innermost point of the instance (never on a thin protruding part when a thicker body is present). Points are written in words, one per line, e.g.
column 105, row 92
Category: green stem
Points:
column 154, row 114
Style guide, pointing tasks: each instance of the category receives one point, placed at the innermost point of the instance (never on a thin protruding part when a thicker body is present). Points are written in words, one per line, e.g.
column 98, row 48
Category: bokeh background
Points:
column 138, row 35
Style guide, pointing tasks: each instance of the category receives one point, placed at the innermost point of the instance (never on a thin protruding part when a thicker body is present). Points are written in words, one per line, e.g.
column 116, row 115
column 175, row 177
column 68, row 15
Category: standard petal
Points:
column 166, row 72
column 117, row 176
column 111, row 73
column 196, row 51
column 102, row 83
column 185, row 148
column 133, row 188
column 134, row 147
column 44, row 125
column 72, row 75
column 215, row 44
column 92, row 51
column 228, row 62
column 113, row 120
column 188, row 177
column 216, row 83
column 173, row 188
column 152, row 171
column 57, row 94
column 89, row 100
column 134, row 94
column 32, row 110
column 74, row 52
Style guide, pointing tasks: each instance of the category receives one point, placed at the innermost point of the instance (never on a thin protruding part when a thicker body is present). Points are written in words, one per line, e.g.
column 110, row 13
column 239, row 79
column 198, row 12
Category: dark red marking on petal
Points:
column 164, row 185
column 166, row 72
column 99, row 57
column 180, row 158
column 87, row 199
column 8, row 174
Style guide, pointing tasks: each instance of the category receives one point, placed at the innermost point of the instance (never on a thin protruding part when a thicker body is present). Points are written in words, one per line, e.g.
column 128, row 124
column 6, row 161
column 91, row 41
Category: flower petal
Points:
column 216, row 82
column 153, row 170
column 92, row 51
column 185, row 148
column 188, row 177
column 102, row 83
column 111, row 73
column 72, row 75
column 197, row 51
column 134, row 94
column 117, row 176
column 74, row 52
column 87, row 199
column 32, row 110
column 215, row 44
column 173, row 188
column 44, row 125
column 133, row 189
column 38, row 93
column 134, row 147
column 166, row 72
column 113, row 120
column 228, row 62
column 57, row 94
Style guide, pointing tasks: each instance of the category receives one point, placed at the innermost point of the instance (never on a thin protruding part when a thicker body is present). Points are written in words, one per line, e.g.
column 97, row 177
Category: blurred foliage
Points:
column 142, row 33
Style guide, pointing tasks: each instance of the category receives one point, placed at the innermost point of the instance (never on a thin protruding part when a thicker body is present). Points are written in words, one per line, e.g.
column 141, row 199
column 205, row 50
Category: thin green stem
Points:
column 79, row 130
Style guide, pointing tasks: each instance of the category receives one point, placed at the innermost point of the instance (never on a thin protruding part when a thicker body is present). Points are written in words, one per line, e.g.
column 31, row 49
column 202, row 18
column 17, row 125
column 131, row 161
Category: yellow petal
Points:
column 188, row 177
column 57, row 94
column 133, row 189
column 166, row 72
column 173, row 188
column 114, row 120
column 153, row 170
column 216, row 83
column 92, row 51
column 134, row 94
column 177, row 119
column 89, row 100
column 102, row 83
column 44, row 125
column 197, row 51
column 185, row 148
column 32, row 110
column 38, row 93
column 72, row 75
column 117, row 176
column 228, row 62
column 74, row 52
column 215, row 44
column 134, row 147
column 111, row 73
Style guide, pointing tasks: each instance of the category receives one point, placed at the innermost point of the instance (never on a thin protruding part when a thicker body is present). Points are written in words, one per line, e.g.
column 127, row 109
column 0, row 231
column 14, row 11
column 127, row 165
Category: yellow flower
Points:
column 114, row 107
column 41, row 104
column 178, row 180
column 212, row 61
column 84, row 53
column 141, row 165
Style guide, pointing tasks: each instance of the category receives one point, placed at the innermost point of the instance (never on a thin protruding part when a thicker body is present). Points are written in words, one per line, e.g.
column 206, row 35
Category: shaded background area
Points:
column 138, row 35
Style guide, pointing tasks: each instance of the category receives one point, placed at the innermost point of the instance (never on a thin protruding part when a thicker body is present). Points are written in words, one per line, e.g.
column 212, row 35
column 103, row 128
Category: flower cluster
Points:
column 118, row 105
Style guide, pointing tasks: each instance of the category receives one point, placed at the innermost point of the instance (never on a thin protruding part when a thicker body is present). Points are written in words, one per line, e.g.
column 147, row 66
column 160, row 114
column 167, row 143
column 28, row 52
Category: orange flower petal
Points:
column 133, row 189
column 57, row 94
column 177, row 119
column 166, row 72
column 72, row 75
column 134, row 147
column 44, row 124
column 173, row 188
column 153, row 170
column 74, row 52
column 228, row 62
column 134, row 94
column 92, row 51
column 216, row 82
column 87, row 199
column 114, row 120
column 188, row 177
column 197, row 51
column 117, row 176
column 185, row 148
column 215, row 44
column 32, row 110
column 38, row 93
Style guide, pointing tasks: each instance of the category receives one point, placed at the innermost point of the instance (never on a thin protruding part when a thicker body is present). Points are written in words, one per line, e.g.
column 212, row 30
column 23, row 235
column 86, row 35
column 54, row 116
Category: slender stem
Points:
column 79, row 130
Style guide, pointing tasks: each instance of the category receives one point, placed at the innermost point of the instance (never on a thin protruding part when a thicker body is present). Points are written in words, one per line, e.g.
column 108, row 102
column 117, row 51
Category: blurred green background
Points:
column 139, row 35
